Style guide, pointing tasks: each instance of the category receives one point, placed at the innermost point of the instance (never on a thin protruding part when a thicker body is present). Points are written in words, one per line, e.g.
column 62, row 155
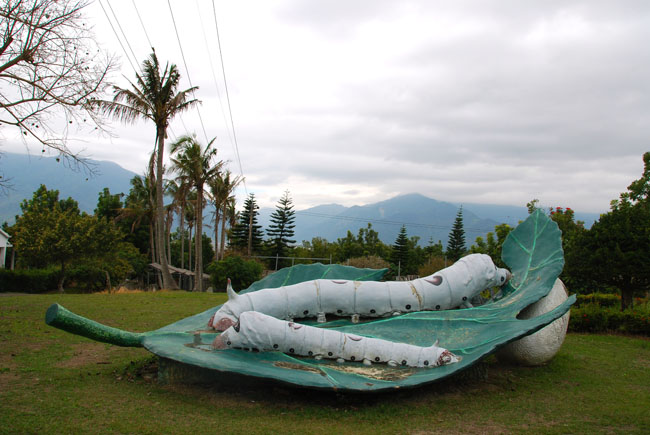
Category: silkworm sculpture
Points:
column 448, row 288
column 258, row 332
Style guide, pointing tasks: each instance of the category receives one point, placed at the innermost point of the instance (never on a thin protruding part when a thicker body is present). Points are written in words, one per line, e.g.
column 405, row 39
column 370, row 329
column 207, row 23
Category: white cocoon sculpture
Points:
column 258, row 332
column 448, row 288
column 540, row 347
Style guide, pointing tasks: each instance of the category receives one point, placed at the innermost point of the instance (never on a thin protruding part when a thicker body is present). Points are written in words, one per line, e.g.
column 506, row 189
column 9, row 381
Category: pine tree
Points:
column 456, row 243
column 400, row 254
column 280, row 230
column 247, row 234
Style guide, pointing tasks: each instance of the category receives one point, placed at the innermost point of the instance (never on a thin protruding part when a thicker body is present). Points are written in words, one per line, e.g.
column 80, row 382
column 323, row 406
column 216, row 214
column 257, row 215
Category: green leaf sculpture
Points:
column 533, row 252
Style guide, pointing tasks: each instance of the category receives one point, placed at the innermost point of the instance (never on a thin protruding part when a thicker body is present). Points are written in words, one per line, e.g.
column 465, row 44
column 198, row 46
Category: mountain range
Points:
column 427, row 218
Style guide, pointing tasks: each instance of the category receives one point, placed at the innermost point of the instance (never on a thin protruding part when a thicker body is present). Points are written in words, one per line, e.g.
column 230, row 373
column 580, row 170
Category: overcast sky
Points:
column 354, row 102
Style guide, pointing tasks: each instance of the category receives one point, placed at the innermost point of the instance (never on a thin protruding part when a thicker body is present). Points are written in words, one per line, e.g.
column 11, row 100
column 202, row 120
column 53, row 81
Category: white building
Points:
column 4, row 244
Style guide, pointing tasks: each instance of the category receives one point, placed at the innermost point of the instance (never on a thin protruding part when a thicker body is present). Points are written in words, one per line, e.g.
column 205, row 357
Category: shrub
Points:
column 601, row 299
column 29, row 280
column 370, row 262
column 594, row 318
column 242, row 273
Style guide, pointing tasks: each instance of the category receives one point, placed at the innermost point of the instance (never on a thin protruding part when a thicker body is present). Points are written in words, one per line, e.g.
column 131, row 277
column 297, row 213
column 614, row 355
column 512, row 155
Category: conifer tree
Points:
column 400, row 254
column 280, row 230
column 456, row 244
column 247, row 234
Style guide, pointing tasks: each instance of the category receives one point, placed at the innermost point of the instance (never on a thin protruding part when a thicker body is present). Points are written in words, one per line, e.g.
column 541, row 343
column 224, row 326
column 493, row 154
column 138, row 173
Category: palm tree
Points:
column 179, row 189
column 194, row 164
column 221, row 189
column 154, row 96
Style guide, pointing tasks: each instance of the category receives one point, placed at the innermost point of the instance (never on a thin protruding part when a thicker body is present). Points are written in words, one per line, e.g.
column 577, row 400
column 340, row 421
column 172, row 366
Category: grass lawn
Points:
column 55, row 382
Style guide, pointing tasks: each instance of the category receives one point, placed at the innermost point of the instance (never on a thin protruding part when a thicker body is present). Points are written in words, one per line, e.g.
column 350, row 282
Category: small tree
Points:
column 456, row 244
column 400, row 253
column 281, row 229
column 247, row 234
column 54, row 232
column 492, row 246
column 616, row 250
column 109, row 206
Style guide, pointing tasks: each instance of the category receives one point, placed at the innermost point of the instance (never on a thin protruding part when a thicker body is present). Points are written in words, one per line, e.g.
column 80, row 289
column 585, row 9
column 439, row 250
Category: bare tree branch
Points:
column 51, row 67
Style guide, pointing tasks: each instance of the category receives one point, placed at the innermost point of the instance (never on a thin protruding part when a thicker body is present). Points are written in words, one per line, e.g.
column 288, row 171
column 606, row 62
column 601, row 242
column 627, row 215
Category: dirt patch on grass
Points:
column 85, row 354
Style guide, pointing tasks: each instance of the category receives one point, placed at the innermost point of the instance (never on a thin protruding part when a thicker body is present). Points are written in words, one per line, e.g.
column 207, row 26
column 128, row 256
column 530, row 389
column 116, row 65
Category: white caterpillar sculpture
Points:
column 448, row 288
column 258, row 332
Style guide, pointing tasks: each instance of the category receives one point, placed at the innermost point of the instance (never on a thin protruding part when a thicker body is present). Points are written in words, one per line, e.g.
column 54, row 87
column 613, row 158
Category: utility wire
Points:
column 223, row 70
column 214, row 79
column 117, row 37
column 142, row 24
column 122, row 31
column 186, row 68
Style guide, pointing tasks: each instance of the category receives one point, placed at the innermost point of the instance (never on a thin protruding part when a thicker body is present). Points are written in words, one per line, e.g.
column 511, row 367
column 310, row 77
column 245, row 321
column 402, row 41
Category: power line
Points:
column 225, row 82
column 122, row 31
column 187, row 70
column 117, row 36
column 214, row 79
column 142, row 24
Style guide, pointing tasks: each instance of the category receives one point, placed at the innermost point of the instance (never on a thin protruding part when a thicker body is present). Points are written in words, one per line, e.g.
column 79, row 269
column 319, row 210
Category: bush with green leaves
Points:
column 29, row 280
column 242, row 273
column 601, row 299
column 597, row 319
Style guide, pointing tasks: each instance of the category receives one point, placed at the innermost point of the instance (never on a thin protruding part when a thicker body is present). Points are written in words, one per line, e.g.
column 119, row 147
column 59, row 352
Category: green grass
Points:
column 55, row 382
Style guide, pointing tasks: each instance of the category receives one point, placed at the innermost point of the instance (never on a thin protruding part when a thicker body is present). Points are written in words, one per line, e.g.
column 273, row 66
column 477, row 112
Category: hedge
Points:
column 29, row 280
column 595, row 318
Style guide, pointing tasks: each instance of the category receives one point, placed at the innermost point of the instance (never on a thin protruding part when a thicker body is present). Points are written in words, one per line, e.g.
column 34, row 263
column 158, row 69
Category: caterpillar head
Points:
column 503, row 276
column 224, row 318
column 447, row 358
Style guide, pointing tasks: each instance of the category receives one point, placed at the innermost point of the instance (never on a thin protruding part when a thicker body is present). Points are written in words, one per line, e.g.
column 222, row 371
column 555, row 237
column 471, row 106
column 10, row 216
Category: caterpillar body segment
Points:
column 259, row 332
column 448, row 288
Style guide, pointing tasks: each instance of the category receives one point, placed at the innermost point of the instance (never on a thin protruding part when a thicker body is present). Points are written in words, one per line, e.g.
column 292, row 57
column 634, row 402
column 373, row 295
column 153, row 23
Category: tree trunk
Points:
column 627, row 297
column 198, row 262
column 217, row 217
column 168, row 237
column 189, row 252
column 108, row 282
column 167, row 279
column 250, row 232
column 153, row 251
column 182, row 230
column 222, row 249
column 61, row 278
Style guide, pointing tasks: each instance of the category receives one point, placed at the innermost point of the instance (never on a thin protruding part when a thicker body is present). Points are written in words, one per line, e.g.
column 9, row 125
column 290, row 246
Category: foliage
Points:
column 54, row 232
column 195, row 167
column 616, row 250
column 434, row 264
column 207, row 251
column 369, row 262
column 281, row 228
column 456, row 244
column 492, row 246
column 29, row 280
column 247, row 234
column 242, row 273
column 154, row 96
column 108, row 206
column 221, row 193
column 594, row 318
column 400, row 254
column 600, row 299
column 50, row 65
